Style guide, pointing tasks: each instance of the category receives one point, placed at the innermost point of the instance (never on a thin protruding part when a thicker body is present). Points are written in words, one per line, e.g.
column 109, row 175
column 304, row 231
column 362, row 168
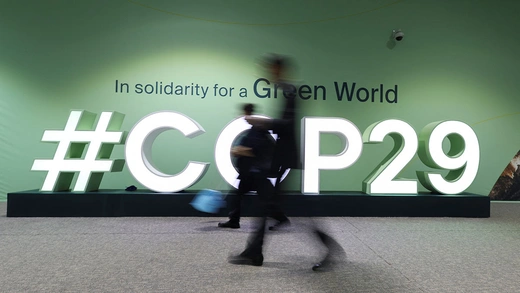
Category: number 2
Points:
column 381, row 180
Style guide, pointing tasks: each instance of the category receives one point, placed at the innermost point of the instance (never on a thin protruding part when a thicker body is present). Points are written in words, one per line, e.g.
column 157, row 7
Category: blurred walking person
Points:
column 286, row 156
column 245, row 158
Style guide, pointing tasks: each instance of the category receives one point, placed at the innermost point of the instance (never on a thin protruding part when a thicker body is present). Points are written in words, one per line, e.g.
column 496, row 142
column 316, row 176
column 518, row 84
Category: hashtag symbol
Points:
column 68, row 159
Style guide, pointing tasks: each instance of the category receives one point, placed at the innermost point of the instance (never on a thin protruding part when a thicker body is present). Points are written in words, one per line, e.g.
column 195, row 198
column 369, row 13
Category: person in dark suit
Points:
column 244, row 161
column 286, row 155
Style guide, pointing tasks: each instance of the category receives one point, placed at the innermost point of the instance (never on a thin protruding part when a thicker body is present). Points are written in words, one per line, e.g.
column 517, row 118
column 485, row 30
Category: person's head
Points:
column 248, row 109
column 277, row 66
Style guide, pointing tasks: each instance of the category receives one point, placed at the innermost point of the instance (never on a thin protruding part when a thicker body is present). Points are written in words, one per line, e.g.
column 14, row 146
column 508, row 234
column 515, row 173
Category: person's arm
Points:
column 242, row 151
column 264, row 123
column 268, row 123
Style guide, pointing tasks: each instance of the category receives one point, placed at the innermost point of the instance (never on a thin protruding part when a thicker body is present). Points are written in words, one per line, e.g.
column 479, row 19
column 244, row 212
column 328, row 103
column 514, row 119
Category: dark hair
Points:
column 249, row 108
column 277, row 60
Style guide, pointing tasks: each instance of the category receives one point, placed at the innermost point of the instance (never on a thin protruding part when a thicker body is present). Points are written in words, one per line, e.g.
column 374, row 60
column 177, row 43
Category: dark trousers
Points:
column 265, row 192
column 269, row 202
column 245, row 185
column 270, row 199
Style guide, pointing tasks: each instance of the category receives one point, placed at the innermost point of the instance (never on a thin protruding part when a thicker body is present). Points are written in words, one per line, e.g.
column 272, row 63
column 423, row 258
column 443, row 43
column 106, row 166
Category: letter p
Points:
column 313, row 162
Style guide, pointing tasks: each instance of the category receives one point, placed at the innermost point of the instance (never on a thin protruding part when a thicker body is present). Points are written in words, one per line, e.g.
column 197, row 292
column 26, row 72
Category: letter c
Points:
column 138, row 151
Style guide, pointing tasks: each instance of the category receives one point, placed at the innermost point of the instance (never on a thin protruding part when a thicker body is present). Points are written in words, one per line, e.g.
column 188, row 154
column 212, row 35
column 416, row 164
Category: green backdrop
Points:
column 458, row 61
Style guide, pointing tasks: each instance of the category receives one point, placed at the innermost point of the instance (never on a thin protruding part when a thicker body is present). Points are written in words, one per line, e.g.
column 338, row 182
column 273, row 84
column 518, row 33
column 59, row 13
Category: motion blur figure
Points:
column 286, row 156
column 244, row 153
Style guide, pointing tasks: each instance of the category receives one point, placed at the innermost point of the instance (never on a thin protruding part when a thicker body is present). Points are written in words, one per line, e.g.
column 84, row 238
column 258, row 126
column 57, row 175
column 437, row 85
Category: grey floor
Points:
column 190, row 255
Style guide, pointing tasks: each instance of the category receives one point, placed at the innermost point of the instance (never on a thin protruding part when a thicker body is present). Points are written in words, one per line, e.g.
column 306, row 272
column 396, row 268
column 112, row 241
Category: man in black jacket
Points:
column 254, row 152
column 286, row 155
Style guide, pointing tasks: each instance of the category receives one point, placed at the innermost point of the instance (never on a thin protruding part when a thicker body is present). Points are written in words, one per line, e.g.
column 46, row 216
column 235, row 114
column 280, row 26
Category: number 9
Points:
column 462, row 159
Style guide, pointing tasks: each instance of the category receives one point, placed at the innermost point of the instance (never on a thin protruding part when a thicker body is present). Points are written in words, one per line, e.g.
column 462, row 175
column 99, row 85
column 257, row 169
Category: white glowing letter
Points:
column 139, row 147
column 312, row 160
column 462, row 158
column 382, row 178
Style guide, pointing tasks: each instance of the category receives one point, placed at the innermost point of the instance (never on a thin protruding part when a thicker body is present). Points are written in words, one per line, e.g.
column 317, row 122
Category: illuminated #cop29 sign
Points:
column 462, row 159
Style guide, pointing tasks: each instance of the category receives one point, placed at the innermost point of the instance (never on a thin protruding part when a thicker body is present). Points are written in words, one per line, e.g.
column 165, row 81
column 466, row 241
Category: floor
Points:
column 190, row 255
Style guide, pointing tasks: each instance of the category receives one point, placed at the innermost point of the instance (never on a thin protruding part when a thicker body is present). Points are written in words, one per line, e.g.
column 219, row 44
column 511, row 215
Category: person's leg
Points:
column 333, row 250
column 275, row 202
column 234, row 216
column 264, row 191
column 244, row 186
column 252, row 254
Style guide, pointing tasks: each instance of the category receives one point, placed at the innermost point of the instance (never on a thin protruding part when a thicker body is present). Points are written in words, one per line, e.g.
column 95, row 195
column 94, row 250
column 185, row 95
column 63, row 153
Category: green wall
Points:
column 458, row 61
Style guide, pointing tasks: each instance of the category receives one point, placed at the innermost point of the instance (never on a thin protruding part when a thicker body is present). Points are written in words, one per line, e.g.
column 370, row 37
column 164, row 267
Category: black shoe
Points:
column 317, row 266
column 229, row 224
column 250, row 260
column 323, row 265
column 280, row 224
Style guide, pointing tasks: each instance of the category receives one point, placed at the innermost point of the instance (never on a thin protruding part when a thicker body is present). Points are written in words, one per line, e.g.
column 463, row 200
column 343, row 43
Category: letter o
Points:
column 223, row 150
